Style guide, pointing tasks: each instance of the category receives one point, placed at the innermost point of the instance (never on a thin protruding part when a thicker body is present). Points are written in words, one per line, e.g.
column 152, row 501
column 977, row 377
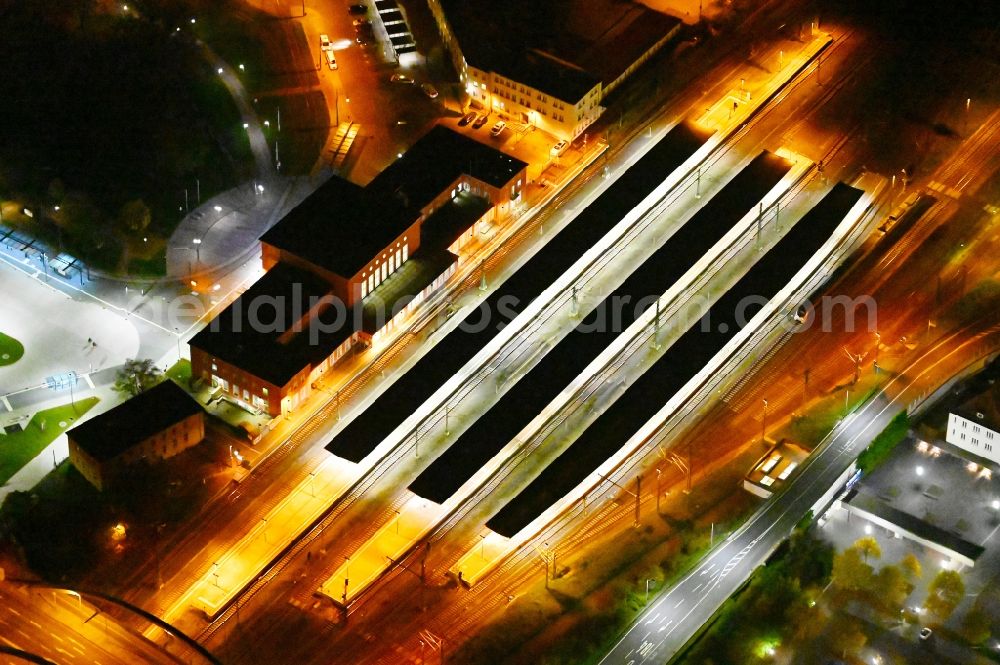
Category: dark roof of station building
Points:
column 448, row 222
column 110, row 434
column 621, row 38
column 537, row 68
column 561, row 47
column 342, row 226
column 254, row 332
column 435, row 161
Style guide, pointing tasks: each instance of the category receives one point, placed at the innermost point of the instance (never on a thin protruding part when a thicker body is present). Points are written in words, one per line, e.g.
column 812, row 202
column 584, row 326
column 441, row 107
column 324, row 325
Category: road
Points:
column 64, row 629
column 669, row 622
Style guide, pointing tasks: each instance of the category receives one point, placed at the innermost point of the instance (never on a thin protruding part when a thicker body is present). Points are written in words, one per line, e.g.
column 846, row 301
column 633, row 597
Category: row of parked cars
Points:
column 479, row 119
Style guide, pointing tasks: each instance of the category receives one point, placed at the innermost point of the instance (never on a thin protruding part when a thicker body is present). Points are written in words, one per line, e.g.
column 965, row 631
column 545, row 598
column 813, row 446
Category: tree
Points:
column 136, row 376
column 810, row 559
column 135, row 216
column 868, row 547
column 56, row 191
column 892, row 588
column 944, row 594
column 976, row 627
column 846, row 635
column 911, row 567
column 850, row 571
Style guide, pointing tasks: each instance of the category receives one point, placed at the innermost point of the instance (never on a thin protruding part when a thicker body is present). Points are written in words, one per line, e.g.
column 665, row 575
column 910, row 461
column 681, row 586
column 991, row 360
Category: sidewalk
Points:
column 48, row 459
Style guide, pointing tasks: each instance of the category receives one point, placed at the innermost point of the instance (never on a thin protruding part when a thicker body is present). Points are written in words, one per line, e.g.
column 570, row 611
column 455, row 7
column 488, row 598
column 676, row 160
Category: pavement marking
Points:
column 679, row 603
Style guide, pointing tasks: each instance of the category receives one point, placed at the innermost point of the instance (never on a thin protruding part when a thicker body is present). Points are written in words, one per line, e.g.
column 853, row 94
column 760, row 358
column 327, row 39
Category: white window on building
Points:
column 406, row 252
column 364, row 289
column 399, row 258
column 385, row 270
column 263, row 391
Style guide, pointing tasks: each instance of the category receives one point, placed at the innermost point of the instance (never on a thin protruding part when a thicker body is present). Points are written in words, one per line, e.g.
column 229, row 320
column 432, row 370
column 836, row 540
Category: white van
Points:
column 331, row 59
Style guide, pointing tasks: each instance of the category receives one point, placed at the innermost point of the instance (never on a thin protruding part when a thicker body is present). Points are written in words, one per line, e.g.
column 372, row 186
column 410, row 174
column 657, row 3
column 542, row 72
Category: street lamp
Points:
column 647, row 590
column 763, row 424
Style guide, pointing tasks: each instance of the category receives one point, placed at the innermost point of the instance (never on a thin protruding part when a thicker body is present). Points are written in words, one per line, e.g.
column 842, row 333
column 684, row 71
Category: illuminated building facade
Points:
column 349, row 263
column 546, row 64
column 157, row 424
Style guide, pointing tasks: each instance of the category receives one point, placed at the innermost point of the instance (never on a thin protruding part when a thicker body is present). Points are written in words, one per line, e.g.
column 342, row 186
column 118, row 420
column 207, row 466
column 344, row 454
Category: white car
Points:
column 429, row 90
column 559, row 148
column 331, row 59
column 324, row 43
column 498, row 128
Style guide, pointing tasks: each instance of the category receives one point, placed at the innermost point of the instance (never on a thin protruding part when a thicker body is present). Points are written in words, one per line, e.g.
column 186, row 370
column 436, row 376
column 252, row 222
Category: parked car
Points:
column 358, row 10
column 498, row 128
column 331, row 59
column 324, row 43
column 480, row 121
column 401, row 78
column 925, row 633
column 559, row 148
column 467, row 118
column 429, row 90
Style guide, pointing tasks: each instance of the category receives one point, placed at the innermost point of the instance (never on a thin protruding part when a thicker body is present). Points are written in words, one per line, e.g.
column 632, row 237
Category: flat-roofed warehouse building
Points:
column 159, row 423
column 549, row 64
column 349, row 262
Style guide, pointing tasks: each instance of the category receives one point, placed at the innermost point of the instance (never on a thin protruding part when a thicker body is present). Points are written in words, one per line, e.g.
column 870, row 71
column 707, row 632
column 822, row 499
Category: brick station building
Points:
column 349, row 262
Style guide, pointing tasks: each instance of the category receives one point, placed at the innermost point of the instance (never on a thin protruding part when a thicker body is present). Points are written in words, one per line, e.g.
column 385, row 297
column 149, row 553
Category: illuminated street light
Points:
column 920, row 470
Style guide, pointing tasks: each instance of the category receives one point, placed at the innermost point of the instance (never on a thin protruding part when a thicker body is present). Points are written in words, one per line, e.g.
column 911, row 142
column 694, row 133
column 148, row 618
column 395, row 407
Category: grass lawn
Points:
column 180, row 372
column 11, row 350
column 18, row 449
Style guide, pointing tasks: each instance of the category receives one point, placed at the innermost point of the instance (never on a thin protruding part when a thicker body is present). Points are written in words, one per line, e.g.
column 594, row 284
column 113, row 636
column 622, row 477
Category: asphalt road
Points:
column 62, row 629
column 674, row 617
